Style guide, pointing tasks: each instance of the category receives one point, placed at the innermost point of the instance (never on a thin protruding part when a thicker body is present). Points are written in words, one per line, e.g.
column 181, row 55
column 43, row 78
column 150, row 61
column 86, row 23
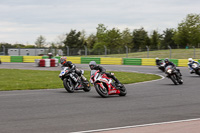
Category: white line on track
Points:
column 135, row 126
column 162, row 77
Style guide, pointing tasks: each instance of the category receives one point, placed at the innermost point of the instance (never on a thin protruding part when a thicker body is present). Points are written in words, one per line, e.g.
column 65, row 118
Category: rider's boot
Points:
column 117, row 82
column 119, row 85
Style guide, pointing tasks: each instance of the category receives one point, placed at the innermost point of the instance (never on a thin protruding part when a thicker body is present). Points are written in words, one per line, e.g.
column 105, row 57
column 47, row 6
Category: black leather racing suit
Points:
column 72, row 68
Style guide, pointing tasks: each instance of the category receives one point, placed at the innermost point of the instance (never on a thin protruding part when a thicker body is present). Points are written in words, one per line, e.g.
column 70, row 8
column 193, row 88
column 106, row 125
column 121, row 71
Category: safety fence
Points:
column 99, row 60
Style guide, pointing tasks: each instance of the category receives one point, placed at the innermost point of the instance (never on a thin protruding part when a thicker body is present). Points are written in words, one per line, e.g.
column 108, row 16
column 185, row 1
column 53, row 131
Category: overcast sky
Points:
column 22, row 21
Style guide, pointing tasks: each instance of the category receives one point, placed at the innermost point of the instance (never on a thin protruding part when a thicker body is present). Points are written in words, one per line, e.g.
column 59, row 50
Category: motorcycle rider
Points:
column 190, row 63
column 93, row 66
column 167, row 63
column 158, row 61
column 65, row 63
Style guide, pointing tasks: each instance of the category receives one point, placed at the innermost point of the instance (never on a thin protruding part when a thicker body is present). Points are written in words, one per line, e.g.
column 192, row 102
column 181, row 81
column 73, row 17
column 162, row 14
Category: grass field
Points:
column 16, row 79
column 175, row 54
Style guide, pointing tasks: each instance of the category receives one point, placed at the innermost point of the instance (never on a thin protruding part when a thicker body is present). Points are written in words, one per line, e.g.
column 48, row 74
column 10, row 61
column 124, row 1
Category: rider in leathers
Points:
column 190, row 63
column 94, row 66
column 158, row 61
column 168, row 63
column 65, row 63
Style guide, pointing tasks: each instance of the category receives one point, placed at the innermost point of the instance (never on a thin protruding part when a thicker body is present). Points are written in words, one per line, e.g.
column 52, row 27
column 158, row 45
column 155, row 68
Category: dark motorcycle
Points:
column 69, row 81
column 174, row 75
column 161, row 65
column 196, row 69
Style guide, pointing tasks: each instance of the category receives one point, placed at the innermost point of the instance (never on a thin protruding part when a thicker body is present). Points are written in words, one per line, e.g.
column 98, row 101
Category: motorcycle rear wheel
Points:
column 123, row 91
column 69, row 86
column 198, row 72
column 102, row 92
column 86, row 85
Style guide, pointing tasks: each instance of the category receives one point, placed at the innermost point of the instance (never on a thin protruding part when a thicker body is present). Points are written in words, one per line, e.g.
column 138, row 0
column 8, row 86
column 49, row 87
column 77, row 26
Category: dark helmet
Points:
column 92, row 64
column 166, row 60
column 63, row 60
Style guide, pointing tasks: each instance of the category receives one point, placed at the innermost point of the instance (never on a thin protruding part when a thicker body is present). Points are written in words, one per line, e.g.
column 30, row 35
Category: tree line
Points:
column 187, row 34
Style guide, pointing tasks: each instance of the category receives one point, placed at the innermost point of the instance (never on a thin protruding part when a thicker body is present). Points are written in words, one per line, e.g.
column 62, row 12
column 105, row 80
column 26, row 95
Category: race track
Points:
column 56, row 111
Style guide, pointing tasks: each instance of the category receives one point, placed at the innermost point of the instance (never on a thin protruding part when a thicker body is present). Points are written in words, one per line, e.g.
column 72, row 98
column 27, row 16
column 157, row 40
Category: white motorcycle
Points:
column 69, row 80
column 196, row 68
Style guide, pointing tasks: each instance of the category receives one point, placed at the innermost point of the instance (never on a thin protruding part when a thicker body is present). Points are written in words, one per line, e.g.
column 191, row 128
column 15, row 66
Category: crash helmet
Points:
column 157, row 58
column 63, row 60
column 92, row 65
column 190, row 60
column 166, row 60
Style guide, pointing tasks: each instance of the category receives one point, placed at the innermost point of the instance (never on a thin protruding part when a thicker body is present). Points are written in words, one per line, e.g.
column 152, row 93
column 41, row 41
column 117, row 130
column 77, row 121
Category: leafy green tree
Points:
column 139, row 39
column 101, row 36
column 148, row 41
column 113, row 39
column 83, row 38
column 167, row 39
column 91, row 40
column 188, row 32
column 127, row 38
column 40, row 41
column 73, row 39
column 155, row 40
column 6, row 46
column 74, row 42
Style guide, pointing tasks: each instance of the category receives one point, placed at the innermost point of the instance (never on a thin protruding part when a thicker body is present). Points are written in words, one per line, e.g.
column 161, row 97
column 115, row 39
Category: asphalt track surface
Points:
column 56, row 111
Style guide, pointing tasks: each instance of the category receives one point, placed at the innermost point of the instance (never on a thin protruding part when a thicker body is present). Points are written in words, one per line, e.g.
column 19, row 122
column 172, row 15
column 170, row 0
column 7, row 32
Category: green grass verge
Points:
column 175, row 54
column 17, row 79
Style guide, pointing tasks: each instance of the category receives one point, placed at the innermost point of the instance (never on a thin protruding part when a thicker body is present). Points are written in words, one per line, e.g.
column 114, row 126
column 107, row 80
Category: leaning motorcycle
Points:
column 105, row 85
column 196, row 68
column 174, row 75
column 69, row 81
column 161, row 66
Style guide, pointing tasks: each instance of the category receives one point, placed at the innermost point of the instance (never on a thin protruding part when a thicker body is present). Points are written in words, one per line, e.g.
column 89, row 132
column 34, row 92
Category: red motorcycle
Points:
column 105, row 85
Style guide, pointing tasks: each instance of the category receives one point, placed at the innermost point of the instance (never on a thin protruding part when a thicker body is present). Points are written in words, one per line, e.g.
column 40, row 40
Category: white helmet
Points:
column 157, row 58
column 190, row 59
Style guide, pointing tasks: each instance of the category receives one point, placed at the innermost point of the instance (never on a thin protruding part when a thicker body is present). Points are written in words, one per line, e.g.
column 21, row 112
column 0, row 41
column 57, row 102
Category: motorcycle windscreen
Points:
column 92, row 72
column 64, row 68
column 168, row 67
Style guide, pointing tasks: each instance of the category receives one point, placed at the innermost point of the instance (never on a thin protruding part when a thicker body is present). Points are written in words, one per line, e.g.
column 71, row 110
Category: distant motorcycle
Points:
column 174, row 75
column 105, row 86
column 69, row 81
column 161, row 66
column 196, row 69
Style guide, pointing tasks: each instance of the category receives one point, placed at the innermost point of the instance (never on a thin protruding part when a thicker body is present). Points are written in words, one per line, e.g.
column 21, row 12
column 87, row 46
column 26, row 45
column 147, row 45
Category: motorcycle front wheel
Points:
column 103, row 92
column 69, row 86
column 173, row 78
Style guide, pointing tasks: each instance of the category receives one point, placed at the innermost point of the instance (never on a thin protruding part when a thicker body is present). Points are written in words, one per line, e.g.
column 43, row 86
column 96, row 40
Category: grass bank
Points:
column 175, row 54
column 16, row 79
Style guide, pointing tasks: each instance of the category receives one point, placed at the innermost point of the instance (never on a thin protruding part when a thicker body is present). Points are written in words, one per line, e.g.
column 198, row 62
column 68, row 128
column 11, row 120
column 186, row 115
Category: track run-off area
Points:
column 147, row 104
